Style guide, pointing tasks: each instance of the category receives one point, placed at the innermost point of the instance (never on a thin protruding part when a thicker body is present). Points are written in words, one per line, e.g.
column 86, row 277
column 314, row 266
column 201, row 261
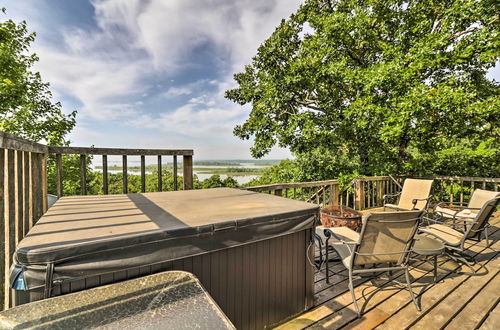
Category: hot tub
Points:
column 251, row 251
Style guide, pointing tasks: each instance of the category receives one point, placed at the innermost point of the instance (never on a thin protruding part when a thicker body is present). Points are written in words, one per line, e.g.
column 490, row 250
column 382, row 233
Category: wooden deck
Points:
column 456, row 301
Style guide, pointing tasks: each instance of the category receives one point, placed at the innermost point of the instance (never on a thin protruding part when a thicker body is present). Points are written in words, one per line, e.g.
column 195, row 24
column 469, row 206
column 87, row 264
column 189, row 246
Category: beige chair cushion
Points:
column 448, row 235
column 447, row 213
column 414, row 189
column 480, row 197
column 392, row 206
column 344, row 250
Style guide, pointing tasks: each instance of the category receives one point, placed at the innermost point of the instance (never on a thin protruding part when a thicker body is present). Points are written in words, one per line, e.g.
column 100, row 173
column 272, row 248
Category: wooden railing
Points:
column 367, row 192
column 187, row 163
column 23, row 187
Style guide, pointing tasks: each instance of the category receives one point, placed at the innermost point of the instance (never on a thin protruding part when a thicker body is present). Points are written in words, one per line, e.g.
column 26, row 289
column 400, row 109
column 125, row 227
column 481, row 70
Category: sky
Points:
column 151, row 74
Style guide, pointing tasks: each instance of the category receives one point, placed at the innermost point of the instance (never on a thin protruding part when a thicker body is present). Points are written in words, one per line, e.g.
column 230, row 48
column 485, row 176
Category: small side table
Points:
column 427, row 246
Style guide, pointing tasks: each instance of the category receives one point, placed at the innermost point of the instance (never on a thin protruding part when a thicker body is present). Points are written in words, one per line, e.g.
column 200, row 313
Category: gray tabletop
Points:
column 168, row 300
column 425, row 245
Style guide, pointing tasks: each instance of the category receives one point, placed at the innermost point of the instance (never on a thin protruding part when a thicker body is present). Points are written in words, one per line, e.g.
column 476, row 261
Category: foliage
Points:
column 26, row 108
column 377, row 87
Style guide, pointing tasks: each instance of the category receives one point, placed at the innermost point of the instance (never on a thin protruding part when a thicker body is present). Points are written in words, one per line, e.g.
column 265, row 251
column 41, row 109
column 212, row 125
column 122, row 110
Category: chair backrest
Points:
column 483, row 216
column 386, row 237
column 414, row 189
column 480, row 197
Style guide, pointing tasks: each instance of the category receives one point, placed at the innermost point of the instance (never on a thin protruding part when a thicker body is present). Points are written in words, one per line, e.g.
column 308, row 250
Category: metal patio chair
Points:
column 455, row 227
column 386, row 239
column 415, row 194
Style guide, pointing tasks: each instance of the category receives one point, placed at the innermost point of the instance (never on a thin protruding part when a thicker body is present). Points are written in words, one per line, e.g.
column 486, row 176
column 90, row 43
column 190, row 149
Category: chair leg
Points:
column 326, row 261
column 408, row 283
column 351, row 288
column 486, row 237
column 459, row 257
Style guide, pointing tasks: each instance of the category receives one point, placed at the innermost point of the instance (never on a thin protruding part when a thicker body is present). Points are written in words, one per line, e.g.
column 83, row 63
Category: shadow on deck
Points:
column 455, row 301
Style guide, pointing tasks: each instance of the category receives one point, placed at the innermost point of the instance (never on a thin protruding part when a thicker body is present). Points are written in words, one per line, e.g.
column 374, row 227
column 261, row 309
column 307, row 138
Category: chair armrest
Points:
column 329, row 234
column 416, row 200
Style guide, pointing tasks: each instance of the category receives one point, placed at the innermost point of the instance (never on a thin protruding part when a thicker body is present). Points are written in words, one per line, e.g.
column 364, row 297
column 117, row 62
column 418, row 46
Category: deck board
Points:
column 455, row 301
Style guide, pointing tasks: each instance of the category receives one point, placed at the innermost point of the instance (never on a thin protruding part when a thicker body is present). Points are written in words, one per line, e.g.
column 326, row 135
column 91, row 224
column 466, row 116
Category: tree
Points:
column 378, row 87
column 26, row 107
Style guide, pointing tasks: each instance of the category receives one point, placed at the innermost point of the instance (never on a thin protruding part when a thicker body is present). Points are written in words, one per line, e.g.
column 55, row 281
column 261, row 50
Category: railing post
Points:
column 187, row 172
column 359, row 194
column 335, row 194
column 380, row 192
column 278, row 192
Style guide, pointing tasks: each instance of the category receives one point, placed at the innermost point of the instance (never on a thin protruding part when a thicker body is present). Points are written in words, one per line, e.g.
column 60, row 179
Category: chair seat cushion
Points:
column 392, row 206
column 447, row 213
column 344, row 250
column 448, row 235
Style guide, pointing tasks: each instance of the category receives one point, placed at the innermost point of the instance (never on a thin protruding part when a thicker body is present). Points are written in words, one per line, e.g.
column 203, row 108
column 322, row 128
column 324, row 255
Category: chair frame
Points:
column 354, row 247
column 466, row 227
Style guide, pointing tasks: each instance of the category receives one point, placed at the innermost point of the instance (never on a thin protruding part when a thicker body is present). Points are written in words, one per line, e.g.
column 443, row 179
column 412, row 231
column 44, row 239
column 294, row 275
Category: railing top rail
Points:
column 277, row 186
column 463, row 178
column 120, row 151
column 9, row 141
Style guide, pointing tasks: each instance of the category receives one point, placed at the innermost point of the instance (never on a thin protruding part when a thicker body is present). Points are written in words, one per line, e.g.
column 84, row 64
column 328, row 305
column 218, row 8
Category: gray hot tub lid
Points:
column 84, row 225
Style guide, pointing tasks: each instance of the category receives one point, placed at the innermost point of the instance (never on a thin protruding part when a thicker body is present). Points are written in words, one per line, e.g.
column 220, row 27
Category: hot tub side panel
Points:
column 256, row 285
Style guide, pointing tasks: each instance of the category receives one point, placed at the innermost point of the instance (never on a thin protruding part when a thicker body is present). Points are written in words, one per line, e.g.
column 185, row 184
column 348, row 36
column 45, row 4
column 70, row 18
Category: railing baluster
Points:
column 105, row 186
column 28, row 211
column 125, row 176
column 3, row 269
column 143, row 173
column 59, row 175
column 35, row 188
column 484, row 184
column 10, row 227
column 451, row 191
column 44, row 187
column 83, row 175
column 159, row 174
column 461, row 191
column 19, row 197
column 174, row 164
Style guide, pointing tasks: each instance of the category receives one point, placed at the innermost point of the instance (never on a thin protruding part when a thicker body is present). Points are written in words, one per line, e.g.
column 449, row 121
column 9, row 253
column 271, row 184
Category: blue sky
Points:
column 151, row 73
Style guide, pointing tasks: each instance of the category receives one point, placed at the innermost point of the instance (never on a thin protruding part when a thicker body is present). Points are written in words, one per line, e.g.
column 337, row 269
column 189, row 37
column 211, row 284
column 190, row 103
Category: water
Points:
column 133, row 161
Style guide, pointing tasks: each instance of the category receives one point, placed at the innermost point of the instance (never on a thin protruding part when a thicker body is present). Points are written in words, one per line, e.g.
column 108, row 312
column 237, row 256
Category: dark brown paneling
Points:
column 257, row 285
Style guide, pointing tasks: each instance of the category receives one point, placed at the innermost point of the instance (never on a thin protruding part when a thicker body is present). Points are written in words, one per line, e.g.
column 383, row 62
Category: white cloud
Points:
column 118, row 64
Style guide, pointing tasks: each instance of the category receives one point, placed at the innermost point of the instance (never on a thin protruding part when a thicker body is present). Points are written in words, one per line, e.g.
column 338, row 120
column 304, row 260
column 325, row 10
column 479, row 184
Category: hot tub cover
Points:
column 87, row 235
